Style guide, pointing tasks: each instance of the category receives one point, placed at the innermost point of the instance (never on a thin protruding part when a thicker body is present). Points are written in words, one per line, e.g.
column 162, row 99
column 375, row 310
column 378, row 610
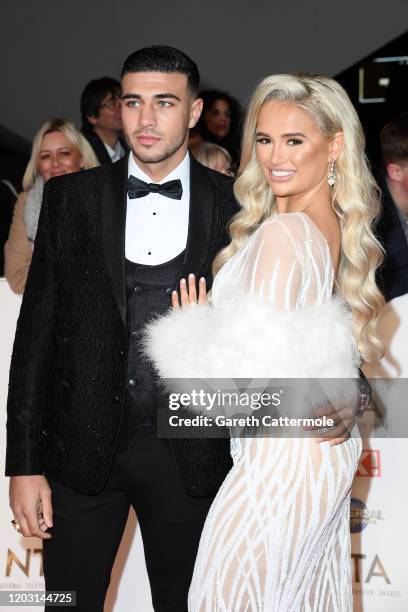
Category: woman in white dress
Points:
column 294, row 295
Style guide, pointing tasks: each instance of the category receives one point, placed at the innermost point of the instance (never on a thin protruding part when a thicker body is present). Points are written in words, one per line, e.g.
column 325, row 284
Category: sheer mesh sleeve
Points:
column 289, row 263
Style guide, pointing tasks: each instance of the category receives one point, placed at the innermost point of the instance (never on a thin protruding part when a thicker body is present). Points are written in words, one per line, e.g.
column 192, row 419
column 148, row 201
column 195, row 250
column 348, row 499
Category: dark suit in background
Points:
column 393, row 274
column 99, row 147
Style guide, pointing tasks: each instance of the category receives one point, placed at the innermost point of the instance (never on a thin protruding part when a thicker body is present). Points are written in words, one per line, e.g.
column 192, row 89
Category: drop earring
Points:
column 331, row 179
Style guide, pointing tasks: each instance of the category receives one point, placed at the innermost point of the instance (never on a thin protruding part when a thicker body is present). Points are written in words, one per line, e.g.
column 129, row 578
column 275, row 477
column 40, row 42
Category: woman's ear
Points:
column 336, row 146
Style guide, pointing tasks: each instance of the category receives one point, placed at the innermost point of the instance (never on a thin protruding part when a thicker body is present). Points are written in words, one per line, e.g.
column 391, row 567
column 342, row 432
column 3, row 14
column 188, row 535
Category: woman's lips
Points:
column 281, row 176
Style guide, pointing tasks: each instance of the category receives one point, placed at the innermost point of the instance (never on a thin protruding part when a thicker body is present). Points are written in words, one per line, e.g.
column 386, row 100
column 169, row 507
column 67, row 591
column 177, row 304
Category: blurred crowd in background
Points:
column 59, row 147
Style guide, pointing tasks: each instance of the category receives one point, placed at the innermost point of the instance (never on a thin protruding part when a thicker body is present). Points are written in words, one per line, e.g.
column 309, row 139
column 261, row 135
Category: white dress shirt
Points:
column 117, row 153
column 157, row 226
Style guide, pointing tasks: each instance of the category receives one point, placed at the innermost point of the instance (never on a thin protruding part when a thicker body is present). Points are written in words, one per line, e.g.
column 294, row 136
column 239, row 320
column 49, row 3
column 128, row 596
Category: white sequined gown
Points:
column 277, row 536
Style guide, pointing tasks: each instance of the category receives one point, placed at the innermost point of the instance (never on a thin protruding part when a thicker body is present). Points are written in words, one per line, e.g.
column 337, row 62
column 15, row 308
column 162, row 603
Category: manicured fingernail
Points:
column 191, row 276
column 202, row 279
column 183, row 281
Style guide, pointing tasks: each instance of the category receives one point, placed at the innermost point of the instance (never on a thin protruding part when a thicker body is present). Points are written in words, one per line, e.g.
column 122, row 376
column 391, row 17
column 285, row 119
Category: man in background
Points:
column 101, row 118
column 393, row 224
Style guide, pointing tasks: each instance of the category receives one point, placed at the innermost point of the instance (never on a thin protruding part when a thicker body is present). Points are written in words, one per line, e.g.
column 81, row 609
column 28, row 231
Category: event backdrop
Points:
column 378, row 509
column 52, row 49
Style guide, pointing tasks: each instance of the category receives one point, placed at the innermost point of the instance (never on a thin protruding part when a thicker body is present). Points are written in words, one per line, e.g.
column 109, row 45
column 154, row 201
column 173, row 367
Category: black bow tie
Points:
column 138, row 189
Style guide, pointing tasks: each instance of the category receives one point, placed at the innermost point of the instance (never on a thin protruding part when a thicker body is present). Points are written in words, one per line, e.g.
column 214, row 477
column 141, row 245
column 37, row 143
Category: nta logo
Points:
column 369, row 464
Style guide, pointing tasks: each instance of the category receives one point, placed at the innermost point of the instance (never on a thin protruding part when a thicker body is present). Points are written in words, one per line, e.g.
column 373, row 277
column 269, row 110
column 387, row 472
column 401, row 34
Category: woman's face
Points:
column 58, row 156
column 221, row 164
column 218, row 119
column 292, row 151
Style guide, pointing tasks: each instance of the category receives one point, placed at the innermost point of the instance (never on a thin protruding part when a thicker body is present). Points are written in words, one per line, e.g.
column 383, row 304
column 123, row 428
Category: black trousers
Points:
column 88, row 529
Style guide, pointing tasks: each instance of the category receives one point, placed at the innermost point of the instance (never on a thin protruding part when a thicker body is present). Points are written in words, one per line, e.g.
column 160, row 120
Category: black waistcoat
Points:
column 148, row 293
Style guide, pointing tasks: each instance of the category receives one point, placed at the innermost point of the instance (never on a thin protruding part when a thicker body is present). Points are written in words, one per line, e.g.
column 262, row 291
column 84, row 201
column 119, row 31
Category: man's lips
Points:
column 146, row 139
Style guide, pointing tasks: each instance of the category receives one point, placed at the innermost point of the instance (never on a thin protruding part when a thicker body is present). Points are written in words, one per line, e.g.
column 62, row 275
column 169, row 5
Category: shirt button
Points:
column 138, row 289
column 149, row 252
column 132, row 382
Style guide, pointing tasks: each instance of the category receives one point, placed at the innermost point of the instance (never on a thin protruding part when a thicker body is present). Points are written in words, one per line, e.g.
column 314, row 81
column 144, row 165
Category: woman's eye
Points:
column 65, row 153
column 294, row 141
column 263, row 140
column 44, row 157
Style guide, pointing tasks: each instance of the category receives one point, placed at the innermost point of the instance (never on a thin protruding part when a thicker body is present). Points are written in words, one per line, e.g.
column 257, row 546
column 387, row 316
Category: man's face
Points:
column 157, row 111
column 109, row 114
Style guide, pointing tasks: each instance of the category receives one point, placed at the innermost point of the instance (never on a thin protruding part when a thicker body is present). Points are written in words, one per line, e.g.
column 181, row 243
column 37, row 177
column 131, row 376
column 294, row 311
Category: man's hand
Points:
column 344, row 418
column 30, row 501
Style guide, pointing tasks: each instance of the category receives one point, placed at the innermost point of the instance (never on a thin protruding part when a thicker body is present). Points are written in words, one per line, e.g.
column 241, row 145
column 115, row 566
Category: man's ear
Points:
column 195, row 112
column 394, row 172
column 336, row 146
column 92, row 119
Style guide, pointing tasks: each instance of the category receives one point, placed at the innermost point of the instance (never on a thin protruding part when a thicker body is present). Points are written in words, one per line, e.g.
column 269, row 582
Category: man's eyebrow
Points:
column 168, row 95
column 160, row 96
column 129, row 95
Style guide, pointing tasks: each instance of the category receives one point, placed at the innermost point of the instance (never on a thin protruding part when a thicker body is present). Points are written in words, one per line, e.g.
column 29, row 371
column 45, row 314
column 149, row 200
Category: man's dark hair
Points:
column 394, row 140
column 94, row 94
column 159, row 58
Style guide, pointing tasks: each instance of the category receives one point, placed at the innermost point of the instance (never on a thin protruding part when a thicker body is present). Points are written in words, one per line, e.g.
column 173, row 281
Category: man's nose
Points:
column 147, row 116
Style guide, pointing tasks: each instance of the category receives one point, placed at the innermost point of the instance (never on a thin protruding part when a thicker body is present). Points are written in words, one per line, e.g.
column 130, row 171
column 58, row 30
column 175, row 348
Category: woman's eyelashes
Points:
column 291, row 141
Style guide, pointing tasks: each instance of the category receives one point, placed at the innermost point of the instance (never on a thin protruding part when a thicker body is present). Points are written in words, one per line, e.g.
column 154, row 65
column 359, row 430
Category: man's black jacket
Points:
column 68, row 369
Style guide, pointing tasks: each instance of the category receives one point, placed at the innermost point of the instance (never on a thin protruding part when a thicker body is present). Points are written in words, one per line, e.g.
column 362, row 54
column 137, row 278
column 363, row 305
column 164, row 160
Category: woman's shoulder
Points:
column 20, row 203
column 284, row 226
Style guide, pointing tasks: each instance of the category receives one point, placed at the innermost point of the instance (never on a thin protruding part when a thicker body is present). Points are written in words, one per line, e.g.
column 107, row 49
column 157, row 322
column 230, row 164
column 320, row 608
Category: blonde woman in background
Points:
column 294, row 296
column 212, row 156
column 58, row 148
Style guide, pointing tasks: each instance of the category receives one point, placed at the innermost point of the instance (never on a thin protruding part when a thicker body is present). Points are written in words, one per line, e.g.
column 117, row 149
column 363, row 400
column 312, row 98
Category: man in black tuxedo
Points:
column 112, row 244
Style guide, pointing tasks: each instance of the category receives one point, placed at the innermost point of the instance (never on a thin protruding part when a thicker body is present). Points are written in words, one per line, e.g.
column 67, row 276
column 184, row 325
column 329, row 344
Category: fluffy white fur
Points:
column 249, row 339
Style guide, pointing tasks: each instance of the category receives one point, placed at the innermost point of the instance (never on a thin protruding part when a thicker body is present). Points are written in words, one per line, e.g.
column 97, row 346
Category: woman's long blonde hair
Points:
column 355, row 195
column 89, row 159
